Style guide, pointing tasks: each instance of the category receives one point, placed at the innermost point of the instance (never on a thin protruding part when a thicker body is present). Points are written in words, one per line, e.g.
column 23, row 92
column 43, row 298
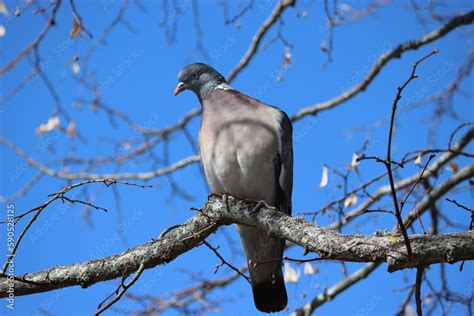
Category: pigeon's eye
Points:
column 195, row 75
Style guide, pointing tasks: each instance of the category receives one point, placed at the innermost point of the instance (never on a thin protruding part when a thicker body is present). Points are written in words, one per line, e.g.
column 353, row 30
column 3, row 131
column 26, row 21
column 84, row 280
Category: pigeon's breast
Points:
column 238, row 154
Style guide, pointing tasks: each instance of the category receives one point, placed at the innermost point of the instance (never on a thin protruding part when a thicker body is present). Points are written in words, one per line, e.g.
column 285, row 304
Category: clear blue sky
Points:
column 138, row 71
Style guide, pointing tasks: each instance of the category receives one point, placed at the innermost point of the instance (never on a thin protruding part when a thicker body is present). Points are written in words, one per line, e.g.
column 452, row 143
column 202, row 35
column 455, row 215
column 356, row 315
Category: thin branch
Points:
column 435, row 167
column 460, row 205
column 241, row 13
column 199, row 34
column 402, row 203
column 92, row 176
column 224, row 262
column 185, row 297
column 331, row 24
column 101, row 39
column 388, row 161
column 26, row 188
column 254, row 45
column 419, row 280
column 457, row 21
column 57, row 196
column 299, row 261
column 470, row 210
column 434, row 195
column 124, row 287
column 453, row 134
column 51, row 22
column 330, row 293
column 406, row 301
column 79, row 18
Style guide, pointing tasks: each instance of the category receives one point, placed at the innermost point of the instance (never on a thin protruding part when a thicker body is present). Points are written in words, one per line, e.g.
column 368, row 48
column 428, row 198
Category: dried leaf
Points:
column 454, row 166
column 3, row 30
column 351, row 200
column 76, row 27
column 75, row 68
column 428, row 299
column 4, row 9
column 310, row 269
column 324, row 177
column 288, row 56
column 291, row 275
column 417, row 160
column 71, row 130
column 354, row 163
column 51, row 124
column 409, row 310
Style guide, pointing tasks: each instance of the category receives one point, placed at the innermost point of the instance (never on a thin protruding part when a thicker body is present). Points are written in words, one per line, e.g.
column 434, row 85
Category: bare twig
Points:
column 91, row 176
column 457, row 21
column 124, row 288
column 59, row 196
column 184, row 297
column 241, row 13
column 470, row 210
column 335, row 290
column 199, row 35
column 252, row 50
column 406, row 301
column 224, row 262
column 26, row 188
column 332, row 292
column 79, row 18
column 460, row 205
column 402, row 203
column 419, row 280
column 404, row 183
column 299, row 261
column 331, row 24
column 388, row 161
column 51, row 22
column 167, row 230
column 451, row 138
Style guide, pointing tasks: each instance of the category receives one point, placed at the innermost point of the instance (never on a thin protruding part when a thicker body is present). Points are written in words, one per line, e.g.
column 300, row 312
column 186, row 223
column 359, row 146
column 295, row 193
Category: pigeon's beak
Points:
column 179, row 88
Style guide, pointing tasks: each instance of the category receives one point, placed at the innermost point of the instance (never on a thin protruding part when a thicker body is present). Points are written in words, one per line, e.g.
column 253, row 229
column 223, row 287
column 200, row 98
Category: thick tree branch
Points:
column 329, row 244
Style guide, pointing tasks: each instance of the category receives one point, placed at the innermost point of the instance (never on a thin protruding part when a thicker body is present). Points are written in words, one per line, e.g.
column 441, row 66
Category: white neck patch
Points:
column 224, row 86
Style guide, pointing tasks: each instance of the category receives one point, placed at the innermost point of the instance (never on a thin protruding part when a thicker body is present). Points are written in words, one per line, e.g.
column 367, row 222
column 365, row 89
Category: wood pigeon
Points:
column 247, row 152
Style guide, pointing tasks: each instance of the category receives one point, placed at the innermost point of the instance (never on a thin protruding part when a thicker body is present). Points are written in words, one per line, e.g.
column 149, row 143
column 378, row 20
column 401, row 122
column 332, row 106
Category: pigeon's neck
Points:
column 213, row 85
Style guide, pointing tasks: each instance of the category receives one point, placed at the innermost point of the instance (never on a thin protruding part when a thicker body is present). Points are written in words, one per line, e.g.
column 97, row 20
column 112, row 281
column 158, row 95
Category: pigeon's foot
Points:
column 259, row 205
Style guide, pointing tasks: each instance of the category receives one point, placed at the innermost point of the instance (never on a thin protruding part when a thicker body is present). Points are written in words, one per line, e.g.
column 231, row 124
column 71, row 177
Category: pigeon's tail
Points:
column 268, row 285
column 270, row 296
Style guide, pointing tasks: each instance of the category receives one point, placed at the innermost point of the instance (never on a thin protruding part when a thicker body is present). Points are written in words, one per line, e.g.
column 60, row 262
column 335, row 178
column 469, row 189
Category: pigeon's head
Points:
column 199, row 78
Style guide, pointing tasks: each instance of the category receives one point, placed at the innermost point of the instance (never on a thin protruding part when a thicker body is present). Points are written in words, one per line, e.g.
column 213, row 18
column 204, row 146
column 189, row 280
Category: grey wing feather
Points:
column 286, row 164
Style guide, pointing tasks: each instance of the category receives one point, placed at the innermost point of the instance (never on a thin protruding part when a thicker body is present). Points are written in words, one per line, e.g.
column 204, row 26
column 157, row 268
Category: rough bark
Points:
column 327, row 243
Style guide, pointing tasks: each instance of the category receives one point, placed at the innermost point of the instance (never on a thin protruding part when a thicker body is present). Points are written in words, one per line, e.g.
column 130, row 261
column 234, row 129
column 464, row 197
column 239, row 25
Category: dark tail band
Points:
column 270, row 297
